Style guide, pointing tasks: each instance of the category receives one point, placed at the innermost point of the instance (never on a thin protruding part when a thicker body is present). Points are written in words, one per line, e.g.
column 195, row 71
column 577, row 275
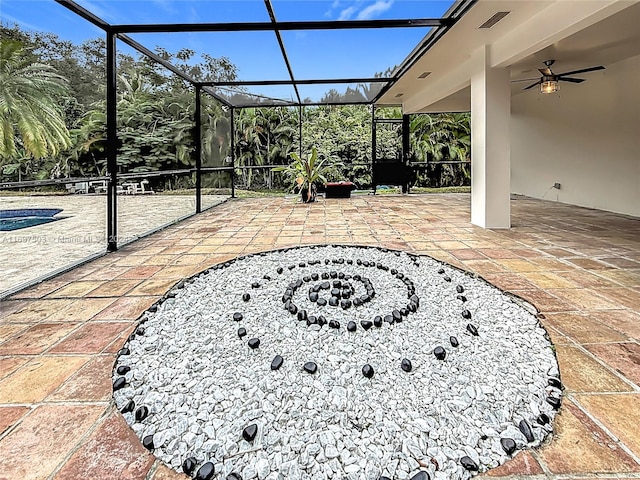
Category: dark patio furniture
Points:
column 338, row 189
column 391, row 172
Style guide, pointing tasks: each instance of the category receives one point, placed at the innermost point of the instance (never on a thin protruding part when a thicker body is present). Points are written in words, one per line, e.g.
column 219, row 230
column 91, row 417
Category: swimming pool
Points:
column 26, row 217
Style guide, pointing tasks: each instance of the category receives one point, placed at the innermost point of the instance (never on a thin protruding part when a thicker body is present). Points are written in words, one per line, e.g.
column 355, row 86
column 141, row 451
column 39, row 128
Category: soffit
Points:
column 599, row 41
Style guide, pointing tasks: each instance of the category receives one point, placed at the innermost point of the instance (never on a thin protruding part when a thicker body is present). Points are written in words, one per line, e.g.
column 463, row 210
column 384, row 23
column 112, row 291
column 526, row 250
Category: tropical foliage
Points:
column 440, row 138
column 305, row 173
column 54, row 126
column 32, row 124
column 265, row 137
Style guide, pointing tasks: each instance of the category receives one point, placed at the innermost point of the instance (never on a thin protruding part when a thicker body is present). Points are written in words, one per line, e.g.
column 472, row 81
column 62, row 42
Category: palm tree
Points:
column 445, row 136
column 30, row 116
column 255, row 145
column 442, row 135
column 89, row 139
column 216, row 134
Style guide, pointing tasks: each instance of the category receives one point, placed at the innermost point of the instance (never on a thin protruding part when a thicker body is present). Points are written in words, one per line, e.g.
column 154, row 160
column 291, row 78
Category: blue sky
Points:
column 313, row 54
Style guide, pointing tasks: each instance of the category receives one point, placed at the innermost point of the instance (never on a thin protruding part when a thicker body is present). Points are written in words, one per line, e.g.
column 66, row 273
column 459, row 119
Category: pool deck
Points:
column 28, row 253
column 580, row 267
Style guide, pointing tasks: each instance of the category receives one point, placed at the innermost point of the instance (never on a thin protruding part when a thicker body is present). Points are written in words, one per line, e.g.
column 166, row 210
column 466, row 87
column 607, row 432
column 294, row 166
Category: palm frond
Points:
column 29, row 109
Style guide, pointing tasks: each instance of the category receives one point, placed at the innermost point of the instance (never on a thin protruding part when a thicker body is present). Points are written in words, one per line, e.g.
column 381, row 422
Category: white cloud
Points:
column 100, row 9
column 194, row 16
column 374, row 10
column 9, row 20
column 166, row 5
column 334, row 5
column 347, row 13
column 360, row 9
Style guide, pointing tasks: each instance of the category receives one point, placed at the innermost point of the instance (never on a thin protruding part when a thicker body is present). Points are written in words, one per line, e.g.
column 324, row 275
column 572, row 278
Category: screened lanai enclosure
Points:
column 149, row 162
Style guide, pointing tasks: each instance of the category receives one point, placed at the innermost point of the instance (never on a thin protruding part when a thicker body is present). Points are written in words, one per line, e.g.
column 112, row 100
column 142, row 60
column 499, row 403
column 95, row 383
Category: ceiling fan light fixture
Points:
column 549, row 86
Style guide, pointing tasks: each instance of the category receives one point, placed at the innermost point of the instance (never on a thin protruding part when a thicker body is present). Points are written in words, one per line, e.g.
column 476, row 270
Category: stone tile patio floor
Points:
column 580, row 267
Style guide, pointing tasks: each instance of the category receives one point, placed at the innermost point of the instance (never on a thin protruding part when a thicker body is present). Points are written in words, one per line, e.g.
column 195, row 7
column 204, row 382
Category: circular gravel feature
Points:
column 429, row 380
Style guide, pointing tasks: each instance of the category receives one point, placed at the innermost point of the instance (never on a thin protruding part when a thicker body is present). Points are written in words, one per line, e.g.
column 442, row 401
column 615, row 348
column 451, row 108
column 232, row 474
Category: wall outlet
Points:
column 556, row 186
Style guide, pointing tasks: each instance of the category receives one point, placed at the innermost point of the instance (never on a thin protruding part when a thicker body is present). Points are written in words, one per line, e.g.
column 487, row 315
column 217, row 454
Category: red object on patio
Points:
column 338, row 189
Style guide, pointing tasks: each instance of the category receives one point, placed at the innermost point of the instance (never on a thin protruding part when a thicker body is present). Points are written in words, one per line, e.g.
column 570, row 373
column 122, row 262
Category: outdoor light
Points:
column 549, row 86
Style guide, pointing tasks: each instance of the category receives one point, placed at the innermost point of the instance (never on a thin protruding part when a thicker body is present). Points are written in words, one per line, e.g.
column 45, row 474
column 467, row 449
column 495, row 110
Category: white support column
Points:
column 490, row 143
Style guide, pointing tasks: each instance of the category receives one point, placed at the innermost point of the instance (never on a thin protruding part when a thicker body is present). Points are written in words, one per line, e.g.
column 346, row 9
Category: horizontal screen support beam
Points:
column 282, row 26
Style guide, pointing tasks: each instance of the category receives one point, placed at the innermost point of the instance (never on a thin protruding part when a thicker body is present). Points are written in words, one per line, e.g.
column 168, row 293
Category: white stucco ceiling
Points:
column 575, row 33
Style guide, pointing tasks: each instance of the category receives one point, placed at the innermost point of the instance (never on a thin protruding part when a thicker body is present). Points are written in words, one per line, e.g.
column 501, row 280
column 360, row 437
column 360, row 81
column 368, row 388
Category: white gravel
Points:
column 203, row 385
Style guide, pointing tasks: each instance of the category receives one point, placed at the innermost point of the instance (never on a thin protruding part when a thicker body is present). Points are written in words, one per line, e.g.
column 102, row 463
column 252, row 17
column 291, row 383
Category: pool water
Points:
column 26, row 217
column 16, row 223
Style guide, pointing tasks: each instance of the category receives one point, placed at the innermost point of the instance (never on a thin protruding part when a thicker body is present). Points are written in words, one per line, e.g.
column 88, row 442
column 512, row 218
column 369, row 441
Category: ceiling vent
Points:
column 424, row 74
column 494, row 19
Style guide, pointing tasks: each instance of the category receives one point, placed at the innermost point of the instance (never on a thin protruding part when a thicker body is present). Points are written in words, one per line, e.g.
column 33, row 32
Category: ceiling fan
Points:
column 549, row 80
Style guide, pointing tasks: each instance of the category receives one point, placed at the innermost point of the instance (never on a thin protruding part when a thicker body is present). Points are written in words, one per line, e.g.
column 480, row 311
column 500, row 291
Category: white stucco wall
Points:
column 585, row 137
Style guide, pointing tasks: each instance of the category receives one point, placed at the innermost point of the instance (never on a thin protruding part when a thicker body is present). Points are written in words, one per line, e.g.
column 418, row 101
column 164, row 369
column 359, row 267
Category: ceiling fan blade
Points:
column 532, row 85
column 583, row 70
column 572, row 80
column 545, row 71
column 524, row 80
